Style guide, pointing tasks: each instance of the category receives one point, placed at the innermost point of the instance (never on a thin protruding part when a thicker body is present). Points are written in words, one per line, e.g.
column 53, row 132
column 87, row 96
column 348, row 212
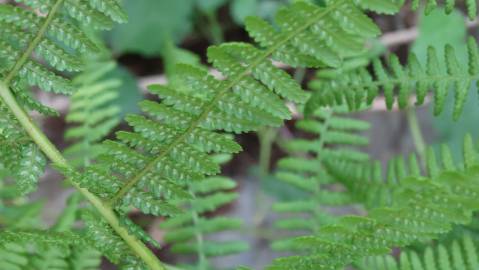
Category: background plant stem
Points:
column 416, row 133
column 56, row 157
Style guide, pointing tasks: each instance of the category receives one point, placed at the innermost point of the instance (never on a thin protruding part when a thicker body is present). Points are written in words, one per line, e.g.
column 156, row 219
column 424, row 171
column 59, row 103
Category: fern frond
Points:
column 359, row 86
column 92, row 113
column 458, row 255
column 28, row 38
column 171, row 144
column 305, row 170
column 430, row 5
column 188, row 232
column 421, row 208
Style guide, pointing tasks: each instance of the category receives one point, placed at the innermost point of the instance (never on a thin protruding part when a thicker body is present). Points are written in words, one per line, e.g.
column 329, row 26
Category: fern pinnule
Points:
column 421, row 208
column 359, row 86
column 305, row 170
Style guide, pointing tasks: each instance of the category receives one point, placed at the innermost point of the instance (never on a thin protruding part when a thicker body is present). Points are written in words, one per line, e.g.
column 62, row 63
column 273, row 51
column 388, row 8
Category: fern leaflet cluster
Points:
column 359, row 86
column 29, row 39
column 367, row 184
column 306, row 171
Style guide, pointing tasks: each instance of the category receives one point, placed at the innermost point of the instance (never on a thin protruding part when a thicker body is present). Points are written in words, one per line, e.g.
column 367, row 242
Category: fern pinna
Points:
column 460, row 254
column 91, row 113
column 189, row 232
column 306, row 171
column 21, row 160
column 359, row 86
column 420, row 208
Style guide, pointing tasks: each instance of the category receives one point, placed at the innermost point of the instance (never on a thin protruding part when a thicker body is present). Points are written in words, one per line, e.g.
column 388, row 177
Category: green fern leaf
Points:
column 54, row 39
column 359, row 86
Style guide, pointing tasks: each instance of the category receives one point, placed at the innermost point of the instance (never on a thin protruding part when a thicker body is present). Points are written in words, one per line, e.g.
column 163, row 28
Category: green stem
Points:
column 216, row 32
column 266, row 139
column 416, row 133
column 202, row 260
column 56, row 157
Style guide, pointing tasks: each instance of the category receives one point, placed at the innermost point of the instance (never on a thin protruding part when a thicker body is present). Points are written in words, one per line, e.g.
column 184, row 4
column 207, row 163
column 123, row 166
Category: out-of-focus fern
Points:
column 91, row 113
column 188, row 232
column 59, row 248
column 430, row 5
column 359, row 86
column 421, row 208
column 306, row 171
column 457, row 255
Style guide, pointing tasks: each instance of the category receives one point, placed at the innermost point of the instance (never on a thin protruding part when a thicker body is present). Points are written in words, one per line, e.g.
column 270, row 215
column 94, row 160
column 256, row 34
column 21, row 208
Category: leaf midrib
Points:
column 135, row 179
